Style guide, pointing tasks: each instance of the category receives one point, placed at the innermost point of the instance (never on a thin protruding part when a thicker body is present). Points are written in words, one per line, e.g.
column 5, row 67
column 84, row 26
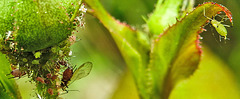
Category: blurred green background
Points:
column 110, row 78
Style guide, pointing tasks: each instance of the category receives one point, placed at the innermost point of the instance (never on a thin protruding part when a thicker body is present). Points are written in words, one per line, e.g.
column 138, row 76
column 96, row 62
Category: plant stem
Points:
column 76, row 12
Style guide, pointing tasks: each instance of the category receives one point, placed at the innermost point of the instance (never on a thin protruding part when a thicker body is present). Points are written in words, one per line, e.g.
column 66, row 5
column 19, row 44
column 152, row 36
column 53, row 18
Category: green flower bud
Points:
column 34, row 24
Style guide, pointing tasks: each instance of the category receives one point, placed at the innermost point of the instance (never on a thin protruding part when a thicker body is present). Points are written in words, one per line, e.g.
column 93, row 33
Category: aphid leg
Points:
column 226, row 25
column 220, row 38
column 224, row 17
column 223, row 20
column 11, row 77
column 227, row 38
column 68, row 91
column 65, row 90
column 207, row 23
column 8, row 74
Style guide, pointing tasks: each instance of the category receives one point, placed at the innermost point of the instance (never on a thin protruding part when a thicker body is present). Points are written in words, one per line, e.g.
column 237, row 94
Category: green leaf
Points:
column 9, row 89
column 126, row 88
column 134, row 45
column 165, row 14
column 213, row 80
column 176, row 53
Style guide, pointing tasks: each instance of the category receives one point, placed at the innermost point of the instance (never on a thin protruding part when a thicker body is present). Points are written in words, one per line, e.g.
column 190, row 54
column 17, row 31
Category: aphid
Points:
column 70, row 76
column 224, row 9
column 50, row 91
column 63, row 62
column 49, row 75
column 47, row 81
column 54, row 77
column 17, row 73
column 67, row 75
column 40, row 79
column 220, row 28
column 37, row 54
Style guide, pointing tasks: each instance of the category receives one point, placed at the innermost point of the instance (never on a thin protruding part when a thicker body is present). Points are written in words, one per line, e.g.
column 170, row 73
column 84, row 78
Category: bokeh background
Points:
column 110, row 78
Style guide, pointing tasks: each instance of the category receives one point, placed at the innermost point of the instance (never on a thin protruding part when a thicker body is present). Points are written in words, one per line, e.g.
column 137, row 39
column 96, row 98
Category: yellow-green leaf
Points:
column 176, row 53
column 8, row 86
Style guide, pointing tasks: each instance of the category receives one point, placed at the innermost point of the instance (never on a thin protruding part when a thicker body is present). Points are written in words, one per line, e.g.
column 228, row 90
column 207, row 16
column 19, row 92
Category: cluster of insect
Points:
column 51, row 74
column 220, row 28
column 69, row 75
column 49, row 68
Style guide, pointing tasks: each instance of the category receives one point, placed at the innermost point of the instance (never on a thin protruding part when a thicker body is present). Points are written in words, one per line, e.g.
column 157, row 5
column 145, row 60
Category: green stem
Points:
column 76, row 12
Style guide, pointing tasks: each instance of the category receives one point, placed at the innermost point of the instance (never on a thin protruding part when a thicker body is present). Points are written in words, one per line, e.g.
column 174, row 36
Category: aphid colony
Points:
column 69, row 75
column 51, row 74
column 48, row 68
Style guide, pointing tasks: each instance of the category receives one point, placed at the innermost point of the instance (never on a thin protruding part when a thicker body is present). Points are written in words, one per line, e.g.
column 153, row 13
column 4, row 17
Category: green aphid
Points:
column 37, row 54
column 220, row 28
column 24, row 60
column 35, row 62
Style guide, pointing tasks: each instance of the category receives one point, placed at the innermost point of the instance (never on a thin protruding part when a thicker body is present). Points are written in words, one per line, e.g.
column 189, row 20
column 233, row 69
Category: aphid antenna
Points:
column 205, row 14
column 68, row 91
column 223, row 17
column 210, row 26
column 74, row 90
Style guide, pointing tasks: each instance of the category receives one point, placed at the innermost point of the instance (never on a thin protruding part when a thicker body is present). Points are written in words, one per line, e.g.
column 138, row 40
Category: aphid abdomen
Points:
column 67, row 74
column 219, row 28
